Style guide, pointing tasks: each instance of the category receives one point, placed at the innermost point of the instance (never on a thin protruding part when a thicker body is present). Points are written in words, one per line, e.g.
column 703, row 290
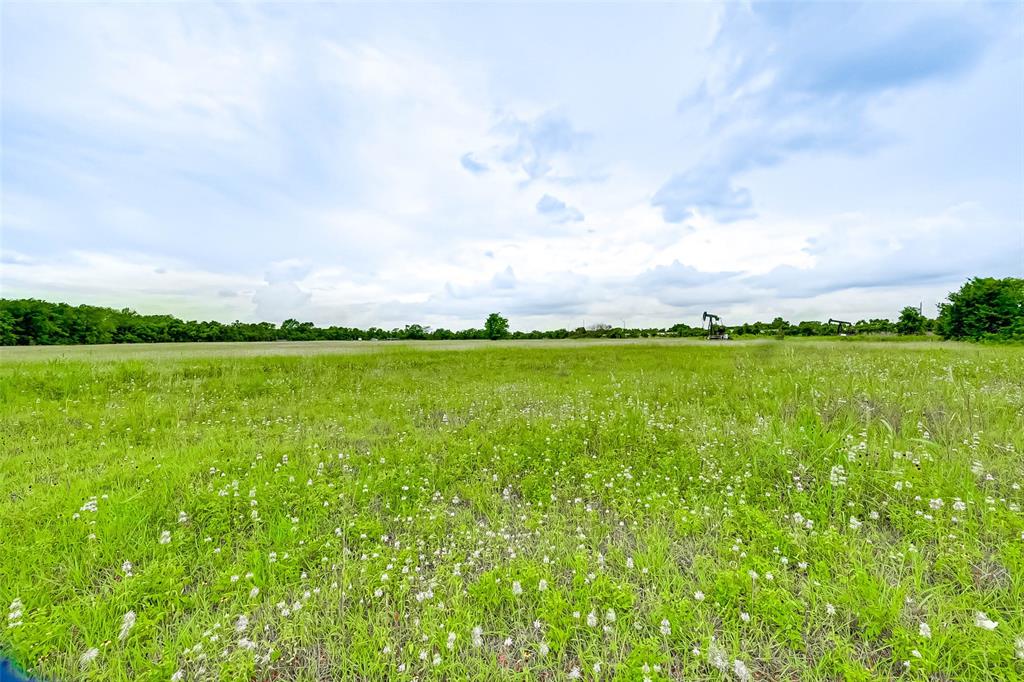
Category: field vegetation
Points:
column 638, row 511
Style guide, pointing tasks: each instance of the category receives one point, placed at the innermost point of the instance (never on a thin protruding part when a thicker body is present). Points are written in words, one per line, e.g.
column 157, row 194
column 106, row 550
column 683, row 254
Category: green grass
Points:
column 631, row 478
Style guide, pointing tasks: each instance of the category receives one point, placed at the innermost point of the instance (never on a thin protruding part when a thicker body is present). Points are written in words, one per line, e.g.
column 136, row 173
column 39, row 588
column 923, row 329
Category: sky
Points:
column 563, row 164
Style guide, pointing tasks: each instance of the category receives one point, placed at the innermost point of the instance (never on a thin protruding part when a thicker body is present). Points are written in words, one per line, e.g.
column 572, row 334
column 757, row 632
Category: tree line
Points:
column 983, row 309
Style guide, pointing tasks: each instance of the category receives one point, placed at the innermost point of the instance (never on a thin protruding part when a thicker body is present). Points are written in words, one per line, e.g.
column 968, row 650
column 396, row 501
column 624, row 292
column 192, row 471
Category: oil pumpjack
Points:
column 716, row 330
column 839, row 325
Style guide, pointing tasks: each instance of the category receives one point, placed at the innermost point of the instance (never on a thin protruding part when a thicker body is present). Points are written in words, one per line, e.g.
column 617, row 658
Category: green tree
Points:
column 984, row 307
column 496, row 326
column 911, row 321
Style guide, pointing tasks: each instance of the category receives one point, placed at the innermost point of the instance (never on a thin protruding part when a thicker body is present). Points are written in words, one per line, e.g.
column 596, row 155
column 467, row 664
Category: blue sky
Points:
column 562, row 164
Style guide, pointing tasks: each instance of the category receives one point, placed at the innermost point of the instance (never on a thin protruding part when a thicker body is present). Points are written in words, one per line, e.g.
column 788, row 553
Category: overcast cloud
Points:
column 367, row 165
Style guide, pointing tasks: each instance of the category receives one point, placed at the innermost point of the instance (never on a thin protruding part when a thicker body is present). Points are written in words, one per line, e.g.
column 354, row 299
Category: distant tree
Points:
column 911, row 321
column 413, row 331
column 7, row 335
column 984, row 308
column 496, row 326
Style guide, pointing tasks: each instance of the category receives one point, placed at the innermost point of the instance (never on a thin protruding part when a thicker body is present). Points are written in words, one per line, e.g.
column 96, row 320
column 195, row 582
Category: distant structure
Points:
column 716, row 330
column 839, row 325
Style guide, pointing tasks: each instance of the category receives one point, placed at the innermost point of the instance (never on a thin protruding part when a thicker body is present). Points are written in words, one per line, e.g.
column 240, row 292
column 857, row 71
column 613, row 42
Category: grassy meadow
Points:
column 794, row 510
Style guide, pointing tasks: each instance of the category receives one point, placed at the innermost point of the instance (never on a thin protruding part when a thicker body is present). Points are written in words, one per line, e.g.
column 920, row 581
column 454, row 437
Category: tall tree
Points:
column 496, row 326
column 983, row 308
column 911, row 321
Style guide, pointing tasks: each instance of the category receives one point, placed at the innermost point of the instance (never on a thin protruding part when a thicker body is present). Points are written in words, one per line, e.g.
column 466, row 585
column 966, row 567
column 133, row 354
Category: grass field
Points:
column 687, row 511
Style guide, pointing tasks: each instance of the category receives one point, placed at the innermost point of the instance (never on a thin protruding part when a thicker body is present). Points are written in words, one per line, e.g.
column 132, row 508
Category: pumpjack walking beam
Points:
column 839, row 325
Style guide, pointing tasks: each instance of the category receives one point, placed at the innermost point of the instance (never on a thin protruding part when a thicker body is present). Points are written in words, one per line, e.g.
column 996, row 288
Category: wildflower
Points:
column 1019, row 645
column 127, row 568
column 127, row 623
column 698, row 595
column 542, row 585
column 574, row 674
column 182, row 517
column 936, row 504
column 14, row 614
column 253, row 592
column 597, row 668
column 855, row 524
column 837, row 476
column 451, row 640
column 666, row 627
column 165, row 537
column 88, row 657
column 610, row 615
column 924, row 630
column 717, row 657
column 242, row 623
column 178, row 676
column 592, row 619
column 543, row 649
column 830, row 609
column 437, row 659
column 981, row 620
column 745, row 617
column 478, row 636
column 517, row 589
column 741, row 671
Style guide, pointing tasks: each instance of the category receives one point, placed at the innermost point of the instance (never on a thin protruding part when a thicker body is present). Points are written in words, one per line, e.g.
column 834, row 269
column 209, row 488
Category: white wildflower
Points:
column 666, row 627
column 981, row 620
column 924, row 630
column 127, row 623
column 717, row 657
column 478, row 636
column 741, row 671
column 88, row 657
column 165, row 537
column 517, row 589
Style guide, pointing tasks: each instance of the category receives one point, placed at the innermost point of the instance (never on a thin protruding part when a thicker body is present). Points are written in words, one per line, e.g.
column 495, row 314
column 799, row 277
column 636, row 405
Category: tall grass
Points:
column 804, row 510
